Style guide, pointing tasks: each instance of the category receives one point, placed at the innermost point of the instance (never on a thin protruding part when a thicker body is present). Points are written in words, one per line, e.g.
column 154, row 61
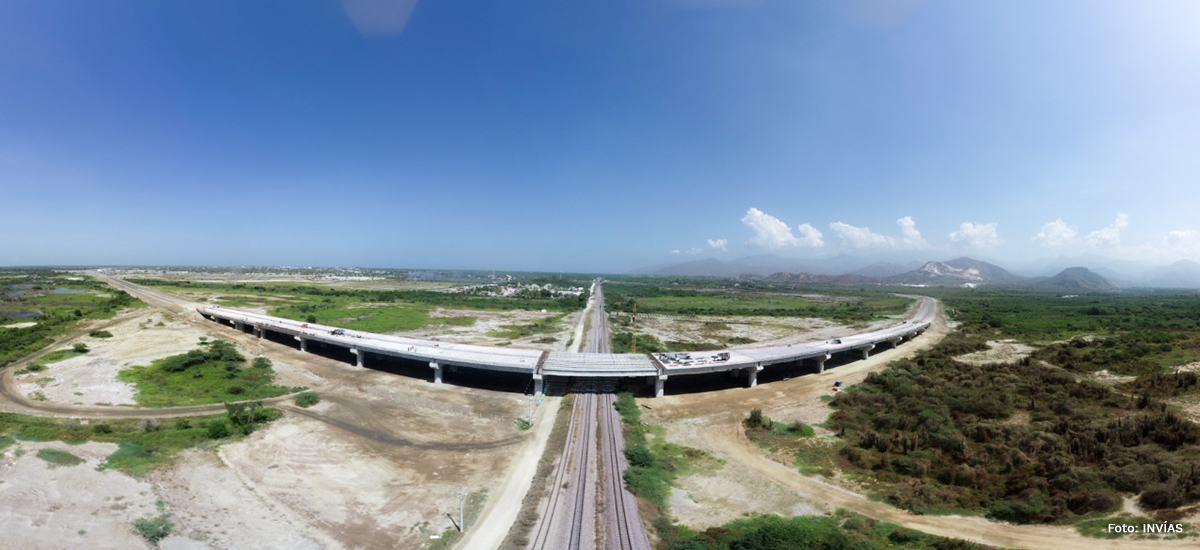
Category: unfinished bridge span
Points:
column 539, row 366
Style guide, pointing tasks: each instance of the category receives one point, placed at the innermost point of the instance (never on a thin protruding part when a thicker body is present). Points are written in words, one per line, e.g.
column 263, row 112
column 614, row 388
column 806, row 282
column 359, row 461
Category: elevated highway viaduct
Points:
column 539, row 365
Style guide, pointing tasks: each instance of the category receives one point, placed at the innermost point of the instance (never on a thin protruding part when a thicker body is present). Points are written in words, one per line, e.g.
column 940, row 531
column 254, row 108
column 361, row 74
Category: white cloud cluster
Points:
column 862, row 237
column 1056, row 233
column 771, row 233
column 718, row 244
column 1110, row 236
column 976, row 235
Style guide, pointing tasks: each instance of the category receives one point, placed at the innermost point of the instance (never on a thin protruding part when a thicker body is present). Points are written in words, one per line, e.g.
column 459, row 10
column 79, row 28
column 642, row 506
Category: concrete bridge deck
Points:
column 539, row 364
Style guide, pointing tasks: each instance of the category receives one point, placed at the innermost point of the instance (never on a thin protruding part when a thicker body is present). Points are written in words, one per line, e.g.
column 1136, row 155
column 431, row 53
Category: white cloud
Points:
column 1056, row 233
column 863, row 237
column 1110, row 236
column 695, row 250
column 770, row 232
column 860, row 237
column 911, row 237
column 676, row 251
column 810, row 236
column 718, row 244
column 976, row 235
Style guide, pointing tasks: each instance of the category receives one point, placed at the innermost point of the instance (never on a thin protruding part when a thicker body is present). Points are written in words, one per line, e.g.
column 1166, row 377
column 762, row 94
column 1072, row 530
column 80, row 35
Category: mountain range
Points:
column 957, row 272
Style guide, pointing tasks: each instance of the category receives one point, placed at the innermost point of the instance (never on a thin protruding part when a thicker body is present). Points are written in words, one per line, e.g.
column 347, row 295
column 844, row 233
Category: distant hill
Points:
column 1181, row 274
column 763, row 264
column 958, row 271
column 847, row 279
column 882, row 269
column 1078, row 278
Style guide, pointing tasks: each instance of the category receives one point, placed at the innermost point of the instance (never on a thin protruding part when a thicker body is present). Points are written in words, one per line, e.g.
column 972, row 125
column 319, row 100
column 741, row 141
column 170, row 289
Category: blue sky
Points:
column 598, row 136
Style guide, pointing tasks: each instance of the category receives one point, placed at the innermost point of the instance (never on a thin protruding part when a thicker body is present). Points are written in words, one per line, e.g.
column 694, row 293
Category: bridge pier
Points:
column 258, row 331
column 752, row 375
column 437, row 372
column 821, row 363
column 303, row 343
column 241, row 327
column 658, row 385
column 896, row 341
column 359, row 356
column 866, row 350
column 537, row 385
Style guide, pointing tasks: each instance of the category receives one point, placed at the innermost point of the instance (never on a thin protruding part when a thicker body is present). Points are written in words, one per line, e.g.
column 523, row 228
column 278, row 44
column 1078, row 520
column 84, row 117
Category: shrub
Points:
column 261, row 362
column 308, row 399
column 80, row 348
column 153, row 529
column 640, row 456
column 235, row 390
column 218, row 429
column 100, row 334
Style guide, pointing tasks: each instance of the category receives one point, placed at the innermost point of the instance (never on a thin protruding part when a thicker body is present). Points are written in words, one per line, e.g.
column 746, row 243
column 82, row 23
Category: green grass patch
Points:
column 60, row 355
column 59, row 457
column 215, row 374
column 654, row 463
column 842, row 530
column 142, row 443
column 100, row 334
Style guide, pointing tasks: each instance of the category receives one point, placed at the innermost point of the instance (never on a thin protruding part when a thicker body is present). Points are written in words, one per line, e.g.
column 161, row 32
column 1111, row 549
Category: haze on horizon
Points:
column 596, row 138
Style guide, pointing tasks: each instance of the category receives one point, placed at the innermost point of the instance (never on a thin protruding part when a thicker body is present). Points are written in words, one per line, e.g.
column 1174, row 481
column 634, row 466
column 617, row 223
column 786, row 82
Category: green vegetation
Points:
column 59, row 457
column 701, row 298
column 1131, row 353
column 201, row 376
column 33, row 291
column 1023, row 442
column 100, row 334
column 153, row 529
column 62, row 355
column 653, row 462
column 840, row 531
column 142, row 444
column 32, row 367
column 307, row 399
column 1042, row 316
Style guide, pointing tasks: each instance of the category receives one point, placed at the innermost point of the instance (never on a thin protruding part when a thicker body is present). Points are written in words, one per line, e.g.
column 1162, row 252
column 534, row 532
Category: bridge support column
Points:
column 359, row 356
column 752, row 376
column 866, row 350
column 658, row 385
column 437, row 372
column 258, row 331
column 537, row 385
column 240, row 326
column 896, row 341
column 821, row 363
column 303, row 343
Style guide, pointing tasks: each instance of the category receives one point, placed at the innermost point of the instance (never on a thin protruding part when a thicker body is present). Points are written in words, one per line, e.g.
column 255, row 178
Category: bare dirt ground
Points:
column 43, row 505
column 999, row 351
column 761, row 331
column 711, row 421
column 490, row 321
column 20, row 325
